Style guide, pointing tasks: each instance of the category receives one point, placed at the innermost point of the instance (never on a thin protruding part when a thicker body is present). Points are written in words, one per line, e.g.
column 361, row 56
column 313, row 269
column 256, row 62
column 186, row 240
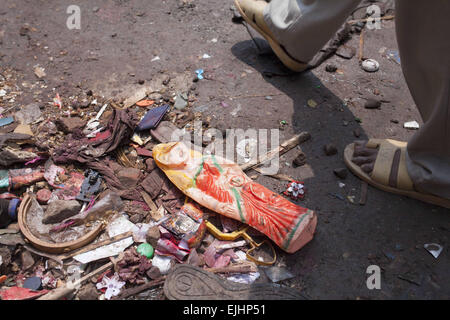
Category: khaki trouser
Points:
column 303, row 27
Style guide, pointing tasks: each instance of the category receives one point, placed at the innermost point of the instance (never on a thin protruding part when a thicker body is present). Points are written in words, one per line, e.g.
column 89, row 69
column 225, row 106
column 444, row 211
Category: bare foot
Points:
column 364, row 157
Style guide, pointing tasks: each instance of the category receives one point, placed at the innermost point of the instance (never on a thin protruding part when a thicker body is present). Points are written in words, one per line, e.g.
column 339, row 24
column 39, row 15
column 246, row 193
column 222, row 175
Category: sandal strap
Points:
column 383, row 171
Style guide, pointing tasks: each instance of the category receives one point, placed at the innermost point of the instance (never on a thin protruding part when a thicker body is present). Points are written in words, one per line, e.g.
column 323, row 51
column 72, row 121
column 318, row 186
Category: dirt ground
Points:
column 113, row 51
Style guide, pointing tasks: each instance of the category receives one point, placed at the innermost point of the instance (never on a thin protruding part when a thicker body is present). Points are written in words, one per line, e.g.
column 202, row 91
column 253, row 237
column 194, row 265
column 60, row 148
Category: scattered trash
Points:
column 181, row 101
column 33, row 283
column 57, row 102
column 39, row 72
column 153, row 117
column 277, row 274
column 146, row 250
column 370, row 65
column 393, row 55
column 145, row 103
column 311, row 103
column 163, row 263
column 295, row 190
column 112, row 285
column 206, row 56
column 414, row 125
column 199, row 73
column 155, row 59
column 434, row 248
column 351, row 199
column 6, row 121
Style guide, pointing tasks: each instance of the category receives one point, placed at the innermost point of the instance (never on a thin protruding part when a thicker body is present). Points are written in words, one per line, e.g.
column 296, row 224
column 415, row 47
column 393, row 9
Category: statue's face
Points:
column 172, row 155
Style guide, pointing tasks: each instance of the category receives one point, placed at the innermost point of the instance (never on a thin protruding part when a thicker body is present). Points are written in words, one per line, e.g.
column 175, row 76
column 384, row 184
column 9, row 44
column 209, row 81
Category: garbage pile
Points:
column 87, row 213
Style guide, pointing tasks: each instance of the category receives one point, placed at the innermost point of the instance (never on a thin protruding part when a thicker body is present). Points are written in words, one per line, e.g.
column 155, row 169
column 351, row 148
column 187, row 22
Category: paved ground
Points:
column 113, row 51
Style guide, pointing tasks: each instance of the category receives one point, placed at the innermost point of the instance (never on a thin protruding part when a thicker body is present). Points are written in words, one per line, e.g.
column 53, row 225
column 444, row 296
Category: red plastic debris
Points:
column 19, row 293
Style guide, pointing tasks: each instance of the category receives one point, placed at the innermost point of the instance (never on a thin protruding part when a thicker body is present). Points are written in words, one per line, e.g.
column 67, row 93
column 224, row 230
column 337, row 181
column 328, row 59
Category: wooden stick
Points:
column 233, row 269
column 361, row 45
column 148, row 200
column 132, row 291
column 363, row 198
column 283, row 148
column 46, row 255
column 368, row 19
column 70, row 287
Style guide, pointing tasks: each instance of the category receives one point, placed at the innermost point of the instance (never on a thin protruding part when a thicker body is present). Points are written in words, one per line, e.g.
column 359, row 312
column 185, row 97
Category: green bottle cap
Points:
column 145, row 249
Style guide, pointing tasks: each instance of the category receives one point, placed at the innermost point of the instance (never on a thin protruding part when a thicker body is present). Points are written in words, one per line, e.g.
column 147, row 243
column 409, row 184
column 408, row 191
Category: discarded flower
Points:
column 112, row 285
column 296, row 190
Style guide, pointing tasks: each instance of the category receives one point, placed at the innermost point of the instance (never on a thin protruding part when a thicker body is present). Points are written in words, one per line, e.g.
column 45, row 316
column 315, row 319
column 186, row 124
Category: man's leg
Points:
column 303, row 27
column 422, row 35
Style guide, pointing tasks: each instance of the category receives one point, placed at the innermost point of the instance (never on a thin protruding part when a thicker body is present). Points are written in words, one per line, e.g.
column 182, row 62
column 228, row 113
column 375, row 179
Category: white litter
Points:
column 434, row 248
column 225, row 246
column 411, row 125
column 246, row 278
column 206, row 56
column 163, row 263
column 155, row 59
column 116, row 227
column 2, row 93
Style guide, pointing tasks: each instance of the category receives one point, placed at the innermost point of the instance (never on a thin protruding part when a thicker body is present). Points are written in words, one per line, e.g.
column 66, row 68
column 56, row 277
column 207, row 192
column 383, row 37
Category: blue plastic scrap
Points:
column 6, row 121
column 199, row 73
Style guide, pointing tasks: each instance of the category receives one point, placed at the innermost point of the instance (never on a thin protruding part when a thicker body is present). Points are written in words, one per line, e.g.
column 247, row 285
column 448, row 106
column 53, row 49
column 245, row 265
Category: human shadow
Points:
column 343, row 225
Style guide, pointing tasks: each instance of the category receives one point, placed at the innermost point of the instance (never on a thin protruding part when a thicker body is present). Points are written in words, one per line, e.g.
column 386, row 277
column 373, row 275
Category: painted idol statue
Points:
column 220, row 185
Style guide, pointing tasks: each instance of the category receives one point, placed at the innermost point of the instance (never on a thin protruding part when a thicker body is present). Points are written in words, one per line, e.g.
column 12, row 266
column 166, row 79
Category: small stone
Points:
column 330, row 149
column 141, row 81
column 68, row 125
column 27, row 260
column 346, row 52
column 181, row 102
column 43, row 196
column 372, row 104
column 370, row 65
column 95, row 9
column 136, row 218
column 153, row 273
column 88, row 292
column 394, row 121
column 300, row 160
column 341, row 173
column 150, row 164
column 153, row 236
column 129, row 177
column 59, row 210
column 330, row 68
column 89, row 93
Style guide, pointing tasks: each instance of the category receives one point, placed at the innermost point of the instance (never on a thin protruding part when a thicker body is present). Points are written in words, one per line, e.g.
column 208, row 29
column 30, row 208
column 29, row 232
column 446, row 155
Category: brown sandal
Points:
column 390, row 173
